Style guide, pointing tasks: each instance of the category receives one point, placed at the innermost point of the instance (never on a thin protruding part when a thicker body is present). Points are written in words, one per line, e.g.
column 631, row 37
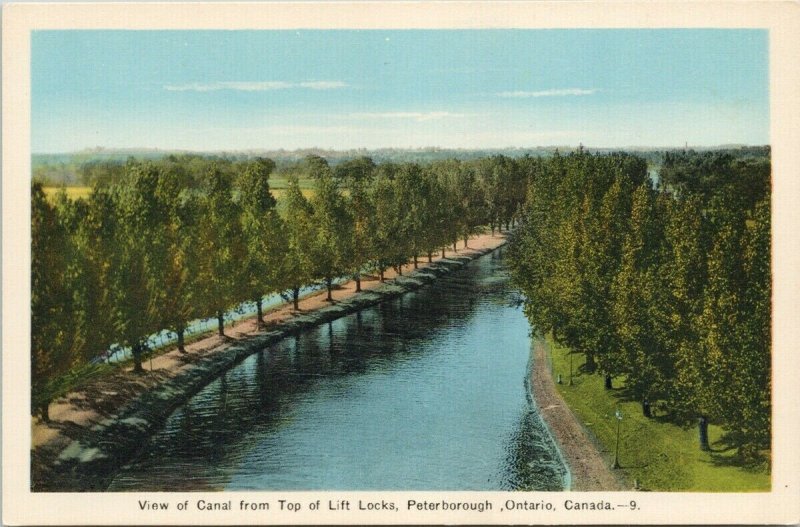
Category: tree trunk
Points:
column 260, row 316
column 430, row 256
column 382, row 270
column 329, row 285
column 491, row 226
column 221, row 323
column 44, row 411
column 455, row 249
column 646, row 408
column 416, row 265
column 443, row 256
column 703, row 429
column 466, row 239
column 608, row 384
column 296, row 298
column 181, row 345
column 136, row 351
column 358, row 282
column 399, row 269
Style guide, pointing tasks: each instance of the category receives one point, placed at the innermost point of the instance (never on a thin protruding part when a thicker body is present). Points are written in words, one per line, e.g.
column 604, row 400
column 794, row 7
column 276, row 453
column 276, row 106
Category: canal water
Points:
column 424, row 392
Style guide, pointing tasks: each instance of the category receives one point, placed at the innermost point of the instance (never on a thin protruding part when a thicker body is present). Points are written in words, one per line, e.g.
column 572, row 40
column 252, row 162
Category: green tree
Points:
column 389, row 242
column 181, row 289
column 51, row 302
column 297, row 265
column 262, row 232
column 221, row 247
column 138, row 280
column 412, row 206
column 451, row 214
column 752, row 411
column 357, row 174
column 648, row 365
column 684, row 276
column 332, row 248
column 719, row 324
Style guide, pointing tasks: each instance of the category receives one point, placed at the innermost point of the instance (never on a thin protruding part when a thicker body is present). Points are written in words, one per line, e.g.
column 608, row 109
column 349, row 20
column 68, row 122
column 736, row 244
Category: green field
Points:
column 660, row 455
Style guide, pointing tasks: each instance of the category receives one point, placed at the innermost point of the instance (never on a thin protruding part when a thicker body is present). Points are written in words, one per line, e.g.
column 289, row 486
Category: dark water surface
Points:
column 425, row 392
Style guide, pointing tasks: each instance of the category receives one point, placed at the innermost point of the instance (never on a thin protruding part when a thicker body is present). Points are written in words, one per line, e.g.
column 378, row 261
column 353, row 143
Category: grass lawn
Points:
column 662, row 456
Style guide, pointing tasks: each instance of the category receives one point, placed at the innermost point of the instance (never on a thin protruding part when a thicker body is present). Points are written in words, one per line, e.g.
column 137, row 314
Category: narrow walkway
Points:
column 590, row 472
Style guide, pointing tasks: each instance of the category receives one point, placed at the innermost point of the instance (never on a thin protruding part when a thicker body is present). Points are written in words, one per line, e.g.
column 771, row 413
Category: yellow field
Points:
column 72, row 192
column 82, row 192
column 279, row 193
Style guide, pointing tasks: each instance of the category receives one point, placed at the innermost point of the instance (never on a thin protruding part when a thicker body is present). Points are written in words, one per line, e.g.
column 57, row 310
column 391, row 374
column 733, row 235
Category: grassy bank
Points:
column 660, row 455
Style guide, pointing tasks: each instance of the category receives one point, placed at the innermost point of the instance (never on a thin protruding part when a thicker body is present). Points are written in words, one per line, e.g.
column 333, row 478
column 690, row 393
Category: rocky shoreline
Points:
column 87, row 455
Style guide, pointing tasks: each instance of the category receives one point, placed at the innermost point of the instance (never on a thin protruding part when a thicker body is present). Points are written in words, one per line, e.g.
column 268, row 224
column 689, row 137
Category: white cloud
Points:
column 254, row 86
column 323, row 85
column 416, row 116
column 562, row 92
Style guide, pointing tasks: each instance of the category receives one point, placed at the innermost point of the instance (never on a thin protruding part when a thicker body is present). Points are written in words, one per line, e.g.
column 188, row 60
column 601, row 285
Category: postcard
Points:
column 400, row 263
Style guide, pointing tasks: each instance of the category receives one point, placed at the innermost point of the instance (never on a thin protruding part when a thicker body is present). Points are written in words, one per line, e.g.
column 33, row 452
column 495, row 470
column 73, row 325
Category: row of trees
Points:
column 169, row 243
column 666, row 286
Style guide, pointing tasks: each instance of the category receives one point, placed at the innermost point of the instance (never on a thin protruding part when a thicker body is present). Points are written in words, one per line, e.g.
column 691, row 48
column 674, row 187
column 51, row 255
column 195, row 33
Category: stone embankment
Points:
column 83, row 455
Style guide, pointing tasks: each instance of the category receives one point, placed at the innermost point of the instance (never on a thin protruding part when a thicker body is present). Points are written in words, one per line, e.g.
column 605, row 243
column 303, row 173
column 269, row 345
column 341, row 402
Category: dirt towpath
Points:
column 590, row 472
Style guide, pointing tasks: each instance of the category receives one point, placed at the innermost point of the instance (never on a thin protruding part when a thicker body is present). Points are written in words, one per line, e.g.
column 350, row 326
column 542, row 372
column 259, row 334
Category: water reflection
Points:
column 425, row 392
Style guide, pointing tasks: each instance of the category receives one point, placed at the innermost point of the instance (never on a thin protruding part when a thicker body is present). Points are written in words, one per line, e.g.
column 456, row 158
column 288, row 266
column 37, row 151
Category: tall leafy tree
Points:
column 389, row 242
column 412, row 207
column 721, row 317
column 332, row 248
column 96, row 239
column 357, row 174
column 433, row 214
column 451, row 211
column 752, row 411
column 180, row 294
column 644, row 359
column 262, row 233
column 51, row 302
column 138, row 279
column 684, row 275
column 221, row 246
column 299, row 232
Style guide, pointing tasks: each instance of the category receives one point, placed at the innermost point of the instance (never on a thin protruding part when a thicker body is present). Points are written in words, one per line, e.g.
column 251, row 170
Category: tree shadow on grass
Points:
column 726, row 452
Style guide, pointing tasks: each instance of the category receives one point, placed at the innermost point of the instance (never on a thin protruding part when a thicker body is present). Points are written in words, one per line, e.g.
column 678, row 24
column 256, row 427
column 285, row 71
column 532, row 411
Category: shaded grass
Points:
column 660, row 455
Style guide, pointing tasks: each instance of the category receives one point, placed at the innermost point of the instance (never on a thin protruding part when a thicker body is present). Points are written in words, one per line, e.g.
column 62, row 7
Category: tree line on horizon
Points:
column 169, row 241
column 663, row 288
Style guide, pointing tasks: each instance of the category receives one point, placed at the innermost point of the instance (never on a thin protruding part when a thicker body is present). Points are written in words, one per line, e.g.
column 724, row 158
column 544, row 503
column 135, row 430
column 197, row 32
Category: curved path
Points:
column 589, row 470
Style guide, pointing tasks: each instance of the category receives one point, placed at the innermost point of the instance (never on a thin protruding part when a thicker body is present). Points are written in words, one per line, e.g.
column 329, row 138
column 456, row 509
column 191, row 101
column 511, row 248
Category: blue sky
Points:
column 239, row 90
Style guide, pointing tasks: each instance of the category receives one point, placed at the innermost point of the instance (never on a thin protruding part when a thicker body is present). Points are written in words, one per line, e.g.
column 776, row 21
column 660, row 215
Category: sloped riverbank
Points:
column 588, row 469
column 113, row 416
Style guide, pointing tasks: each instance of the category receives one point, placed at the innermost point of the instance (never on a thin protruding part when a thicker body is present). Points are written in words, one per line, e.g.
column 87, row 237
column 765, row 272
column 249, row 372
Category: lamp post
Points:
column 618, row 415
